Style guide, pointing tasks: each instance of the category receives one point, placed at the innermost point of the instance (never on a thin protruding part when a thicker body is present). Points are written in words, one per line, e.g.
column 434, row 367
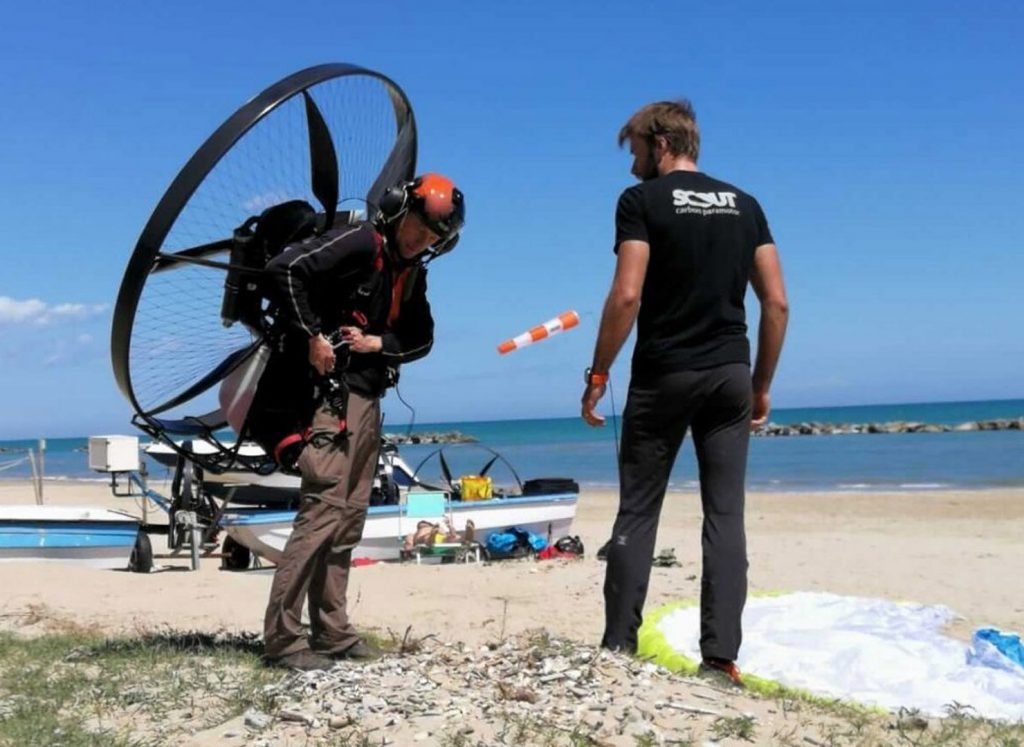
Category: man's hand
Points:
column 591, row 396
column 321, row 355
column 761, row 406
column 360, row 343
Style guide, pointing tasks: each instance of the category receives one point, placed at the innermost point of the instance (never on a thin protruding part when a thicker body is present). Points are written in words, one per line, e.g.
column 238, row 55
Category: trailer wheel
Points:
column 235, row 556
column 142, row 554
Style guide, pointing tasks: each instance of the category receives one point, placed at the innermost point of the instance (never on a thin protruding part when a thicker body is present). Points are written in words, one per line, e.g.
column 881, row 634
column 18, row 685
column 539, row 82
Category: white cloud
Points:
column 34, row 311
column 19, row 311
column 64, row 350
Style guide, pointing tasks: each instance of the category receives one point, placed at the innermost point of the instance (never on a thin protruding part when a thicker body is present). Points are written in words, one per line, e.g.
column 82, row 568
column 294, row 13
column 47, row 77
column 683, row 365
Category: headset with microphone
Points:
column 436, row 200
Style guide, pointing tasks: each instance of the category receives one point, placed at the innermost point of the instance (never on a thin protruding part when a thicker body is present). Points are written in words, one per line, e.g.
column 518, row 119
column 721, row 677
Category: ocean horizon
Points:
column 566, row 447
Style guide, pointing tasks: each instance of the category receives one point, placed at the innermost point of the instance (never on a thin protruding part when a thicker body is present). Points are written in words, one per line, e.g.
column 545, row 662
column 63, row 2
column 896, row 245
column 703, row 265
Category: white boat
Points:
column 93, row 537
column 550, row 516
column 258, row 510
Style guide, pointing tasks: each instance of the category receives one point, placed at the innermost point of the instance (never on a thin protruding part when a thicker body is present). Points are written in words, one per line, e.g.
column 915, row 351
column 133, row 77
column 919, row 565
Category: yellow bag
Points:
column 476, row 488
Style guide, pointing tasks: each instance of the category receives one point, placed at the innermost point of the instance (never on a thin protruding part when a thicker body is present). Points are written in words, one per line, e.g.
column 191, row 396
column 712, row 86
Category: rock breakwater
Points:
column 451, row 437
column 899, row 426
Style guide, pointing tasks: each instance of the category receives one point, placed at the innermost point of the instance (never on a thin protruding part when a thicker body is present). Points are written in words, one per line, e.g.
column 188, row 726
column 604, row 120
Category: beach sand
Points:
column 956, row 548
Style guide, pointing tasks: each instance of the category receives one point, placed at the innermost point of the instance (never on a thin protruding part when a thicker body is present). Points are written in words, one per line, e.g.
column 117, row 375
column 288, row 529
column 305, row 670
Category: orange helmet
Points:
column 436, row 200
column 440, row 204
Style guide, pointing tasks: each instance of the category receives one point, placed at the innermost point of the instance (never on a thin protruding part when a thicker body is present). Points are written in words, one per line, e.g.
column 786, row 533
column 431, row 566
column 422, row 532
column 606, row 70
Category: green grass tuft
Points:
column 80, row 688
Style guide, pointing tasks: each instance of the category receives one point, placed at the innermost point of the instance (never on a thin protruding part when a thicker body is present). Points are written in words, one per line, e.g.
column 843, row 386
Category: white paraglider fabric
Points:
column 872, row 651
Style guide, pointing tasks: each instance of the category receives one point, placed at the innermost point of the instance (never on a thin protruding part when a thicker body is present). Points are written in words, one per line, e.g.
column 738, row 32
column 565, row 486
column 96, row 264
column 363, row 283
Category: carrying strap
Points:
column 401, row 290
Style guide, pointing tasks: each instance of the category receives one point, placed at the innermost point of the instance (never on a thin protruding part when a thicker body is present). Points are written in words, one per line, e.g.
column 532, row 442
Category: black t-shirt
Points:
column 702, row 233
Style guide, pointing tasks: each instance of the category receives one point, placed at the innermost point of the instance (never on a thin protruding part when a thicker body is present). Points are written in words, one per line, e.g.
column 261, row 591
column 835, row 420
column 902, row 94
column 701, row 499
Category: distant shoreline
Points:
column 936, row 446
column 799, row 428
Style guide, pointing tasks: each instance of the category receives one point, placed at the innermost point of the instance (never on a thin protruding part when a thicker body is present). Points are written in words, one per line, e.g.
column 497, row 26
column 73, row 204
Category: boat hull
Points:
column 94, row 538
column 266, row 532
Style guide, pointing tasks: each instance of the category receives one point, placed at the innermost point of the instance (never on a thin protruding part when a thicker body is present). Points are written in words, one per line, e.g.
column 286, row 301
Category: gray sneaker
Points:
column 305, row 661
column 361, row 651
column 358, row 651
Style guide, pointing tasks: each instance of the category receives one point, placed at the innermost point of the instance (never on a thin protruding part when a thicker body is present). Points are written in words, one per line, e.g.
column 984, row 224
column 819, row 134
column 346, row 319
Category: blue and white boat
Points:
column 266, row 532
column 93, row 537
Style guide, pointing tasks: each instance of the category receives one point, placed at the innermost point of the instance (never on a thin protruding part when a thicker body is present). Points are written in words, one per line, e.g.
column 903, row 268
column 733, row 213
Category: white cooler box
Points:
column 114, row 453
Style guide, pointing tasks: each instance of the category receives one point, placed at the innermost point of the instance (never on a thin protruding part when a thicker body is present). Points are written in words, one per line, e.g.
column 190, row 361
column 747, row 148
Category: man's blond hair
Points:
column 673, row 120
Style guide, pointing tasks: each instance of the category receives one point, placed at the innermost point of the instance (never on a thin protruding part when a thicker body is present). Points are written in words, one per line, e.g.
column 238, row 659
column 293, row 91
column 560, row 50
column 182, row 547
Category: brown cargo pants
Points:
column 337, row 478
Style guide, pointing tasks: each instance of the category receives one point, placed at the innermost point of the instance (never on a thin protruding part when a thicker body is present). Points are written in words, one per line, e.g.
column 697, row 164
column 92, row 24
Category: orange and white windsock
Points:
column 560, row 323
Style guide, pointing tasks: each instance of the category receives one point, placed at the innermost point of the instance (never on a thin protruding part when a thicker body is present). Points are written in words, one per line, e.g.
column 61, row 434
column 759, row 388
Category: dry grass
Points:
column 78, row 688
column 75, row 687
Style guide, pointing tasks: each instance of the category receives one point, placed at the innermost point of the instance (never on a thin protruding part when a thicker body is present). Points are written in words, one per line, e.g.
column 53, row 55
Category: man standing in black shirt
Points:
column 352, row 306
column 687, row 246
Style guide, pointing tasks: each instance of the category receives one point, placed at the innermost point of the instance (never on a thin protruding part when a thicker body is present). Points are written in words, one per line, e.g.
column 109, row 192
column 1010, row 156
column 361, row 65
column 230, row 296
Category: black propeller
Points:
column 214, row 377
column 486, row 468
column 445, row 470
column 401, row 163
column 323, row 161
column 324, row 180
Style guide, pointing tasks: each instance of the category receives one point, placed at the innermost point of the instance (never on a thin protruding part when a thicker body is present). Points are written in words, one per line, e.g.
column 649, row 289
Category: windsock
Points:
column 560, row 323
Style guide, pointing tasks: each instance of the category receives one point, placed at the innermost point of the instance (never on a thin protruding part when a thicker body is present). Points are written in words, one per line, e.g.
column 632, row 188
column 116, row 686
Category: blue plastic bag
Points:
column 502, row 543
column 997, row 649
column 535, row 541
column 507, row 542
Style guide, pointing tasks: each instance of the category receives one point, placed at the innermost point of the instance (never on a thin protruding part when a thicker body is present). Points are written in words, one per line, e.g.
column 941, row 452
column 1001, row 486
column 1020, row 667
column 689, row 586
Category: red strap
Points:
column 378, row 259
column 288, row 441
column 396, row 296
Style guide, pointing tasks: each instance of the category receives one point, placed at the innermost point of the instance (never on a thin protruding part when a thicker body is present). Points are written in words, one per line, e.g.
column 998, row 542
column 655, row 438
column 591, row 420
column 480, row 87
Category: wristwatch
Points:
column 592, row 378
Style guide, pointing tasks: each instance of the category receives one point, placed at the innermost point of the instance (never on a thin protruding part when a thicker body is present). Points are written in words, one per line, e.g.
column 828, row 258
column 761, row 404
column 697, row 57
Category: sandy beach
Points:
column 955, row 548
column 935, row 547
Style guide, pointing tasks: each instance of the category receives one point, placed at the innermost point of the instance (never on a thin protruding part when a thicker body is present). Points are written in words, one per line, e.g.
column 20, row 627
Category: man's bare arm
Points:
column 617, row 319
column 622, row 304
column 766, row 279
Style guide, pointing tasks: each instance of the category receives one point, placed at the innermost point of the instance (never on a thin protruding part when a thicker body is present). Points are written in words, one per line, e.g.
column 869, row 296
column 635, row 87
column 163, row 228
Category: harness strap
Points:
column 290, row 440
column 396, row 295
column 401, row 290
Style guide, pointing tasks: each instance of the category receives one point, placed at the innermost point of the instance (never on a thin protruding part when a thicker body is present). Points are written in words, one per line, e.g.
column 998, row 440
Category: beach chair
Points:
column 431, row 511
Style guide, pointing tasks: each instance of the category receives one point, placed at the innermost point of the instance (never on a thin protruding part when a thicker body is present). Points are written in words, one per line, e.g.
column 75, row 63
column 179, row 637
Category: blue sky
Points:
column 882, row 140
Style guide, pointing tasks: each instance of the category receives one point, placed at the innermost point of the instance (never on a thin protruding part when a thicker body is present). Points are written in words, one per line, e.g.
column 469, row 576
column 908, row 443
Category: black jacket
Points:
column 347, row 278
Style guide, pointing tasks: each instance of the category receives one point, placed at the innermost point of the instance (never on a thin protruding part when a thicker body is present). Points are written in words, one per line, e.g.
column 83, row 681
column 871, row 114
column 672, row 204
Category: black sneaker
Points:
column 305, row 661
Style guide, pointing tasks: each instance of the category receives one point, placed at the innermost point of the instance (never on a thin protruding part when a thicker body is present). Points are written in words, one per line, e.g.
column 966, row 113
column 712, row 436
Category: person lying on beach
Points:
column 428, row 534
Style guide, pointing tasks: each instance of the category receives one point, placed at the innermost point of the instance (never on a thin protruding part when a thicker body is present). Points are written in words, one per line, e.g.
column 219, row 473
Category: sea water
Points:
column 566, row 447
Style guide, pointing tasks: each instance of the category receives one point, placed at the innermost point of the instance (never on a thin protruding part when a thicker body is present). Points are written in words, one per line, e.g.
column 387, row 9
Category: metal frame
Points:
column 146, row 257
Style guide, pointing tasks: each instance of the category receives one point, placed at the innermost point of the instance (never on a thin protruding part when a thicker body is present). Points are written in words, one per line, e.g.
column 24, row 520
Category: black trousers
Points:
column 715, row 403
